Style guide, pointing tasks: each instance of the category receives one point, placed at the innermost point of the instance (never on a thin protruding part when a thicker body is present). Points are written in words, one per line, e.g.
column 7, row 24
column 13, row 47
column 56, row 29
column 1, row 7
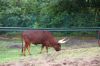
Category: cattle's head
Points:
column 57, row 47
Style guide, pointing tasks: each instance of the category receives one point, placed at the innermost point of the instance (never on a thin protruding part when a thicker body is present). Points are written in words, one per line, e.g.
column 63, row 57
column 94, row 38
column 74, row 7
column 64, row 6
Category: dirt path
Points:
column 95, row 61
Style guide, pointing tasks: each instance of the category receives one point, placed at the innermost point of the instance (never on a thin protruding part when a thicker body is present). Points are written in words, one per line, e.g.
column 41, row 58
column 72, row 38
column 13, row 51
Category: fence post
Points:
column 98, row 32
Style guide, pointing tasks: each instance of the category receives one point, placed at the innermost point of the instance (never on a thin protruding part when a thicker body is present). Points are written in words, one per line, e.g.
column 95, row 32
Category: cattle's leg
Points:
column 26, row 47
column 99, row 42
column 29, row 49
column 47, row 49
column 41, row 49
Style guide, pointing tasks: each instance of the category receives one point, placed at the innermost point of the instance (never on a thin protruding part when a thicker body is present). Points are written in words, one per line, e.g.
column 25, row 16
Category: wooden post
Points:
column 98, row 32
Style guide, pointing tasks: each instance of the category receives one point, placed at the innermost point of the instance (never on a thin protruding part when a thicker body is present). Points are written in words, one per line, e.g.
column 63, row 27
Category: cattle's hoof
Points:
column 39, row 52
column 30, row 54
column 21, row 54
column 24, row 55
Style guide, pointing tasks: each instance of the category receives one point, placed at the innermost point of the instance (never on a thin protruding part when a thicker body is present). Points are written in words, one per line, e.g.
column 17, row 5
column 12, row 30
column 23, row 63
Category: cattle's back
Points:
column 37, row 36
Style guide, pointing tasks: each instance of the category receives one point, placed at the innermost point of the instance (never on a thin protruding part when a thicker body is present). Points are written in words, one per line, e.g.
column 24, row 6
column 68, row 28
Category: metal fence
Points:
column 82, row 29
column 72, row 29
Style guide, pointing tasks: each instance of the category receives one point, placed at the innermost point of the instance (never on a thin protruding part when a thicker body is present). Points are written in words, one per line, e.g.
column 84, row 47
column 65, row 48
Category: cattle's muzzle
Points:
column 57, row 47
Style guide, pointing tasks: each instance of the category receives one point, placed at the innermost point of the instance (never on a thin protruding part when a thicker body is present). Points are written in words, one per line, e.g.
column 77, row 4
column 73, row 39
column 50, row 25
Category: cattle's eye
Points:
column 59, row 45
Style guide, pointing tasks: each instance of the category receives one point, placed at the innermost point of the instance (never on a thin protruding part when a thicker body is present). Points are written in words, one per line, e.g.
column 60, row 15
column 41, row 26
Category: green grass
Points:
column 6, row 53
column 9, row 54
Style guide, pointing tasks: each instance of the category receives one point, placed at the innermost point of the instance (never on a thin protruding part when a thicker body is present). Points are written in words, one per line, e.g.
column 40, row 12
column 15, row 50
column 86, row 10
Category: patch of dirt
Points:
column 78, row 43
column 4, row 38
column 94, row 61
column 15, row 46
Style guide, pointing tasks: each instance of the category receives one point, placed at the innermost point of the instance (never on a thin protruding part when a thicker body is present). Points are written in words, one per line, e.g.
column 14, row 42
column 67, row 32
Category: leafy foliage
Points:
column 50, row 13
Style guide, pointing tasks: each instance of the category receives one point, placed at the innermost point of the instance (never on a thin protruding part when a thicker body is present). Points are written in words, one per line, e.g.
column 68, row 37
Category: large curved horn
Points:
column 63, row 40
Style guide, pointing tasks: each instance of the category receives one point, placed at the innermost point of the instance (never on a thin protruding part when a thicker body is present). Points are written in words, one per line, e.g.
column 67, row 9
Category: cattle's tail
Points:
column 22, row 42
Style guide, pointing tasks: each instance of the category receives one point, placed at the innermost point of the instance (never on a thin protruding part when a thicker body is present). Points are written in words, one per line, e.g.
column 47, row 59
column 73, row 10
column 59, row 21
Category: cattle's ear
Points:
column 64, row 40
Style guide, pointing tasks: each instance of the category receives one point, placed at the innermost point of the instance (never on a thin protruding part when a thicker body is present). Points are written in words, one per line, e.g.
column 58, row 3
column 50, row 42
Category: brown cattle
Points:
column 42, row 37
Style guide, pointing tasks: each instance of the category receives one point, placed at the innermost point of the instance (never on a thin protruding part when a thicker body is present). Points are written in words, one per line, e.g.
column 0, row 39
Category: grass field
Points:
column 7, row 53
column 10, row 50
